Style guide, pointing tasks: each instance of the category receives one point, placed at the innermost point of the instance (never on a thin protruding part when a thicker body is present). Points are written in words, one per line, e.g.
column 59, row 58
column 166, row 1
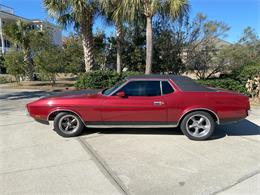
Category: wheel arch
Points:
column 209, row 111
column 54, row 113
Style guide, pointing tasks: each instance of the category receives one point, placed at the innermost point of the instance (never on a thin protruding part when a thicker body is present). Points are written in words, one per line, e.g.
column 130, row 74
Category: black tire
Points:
column 191, row 122
column 60, row 124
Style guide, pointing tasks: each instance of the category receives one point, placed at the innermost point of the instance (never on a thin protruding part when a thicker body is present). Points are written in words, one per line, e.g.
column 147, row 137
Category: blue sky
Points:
column 238, row 14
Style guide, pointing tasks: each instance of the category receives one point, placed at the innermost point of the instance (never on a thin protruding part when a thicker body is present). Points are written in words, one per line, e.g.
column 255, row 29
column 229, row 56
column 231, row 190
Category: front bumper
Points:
column 42, row 121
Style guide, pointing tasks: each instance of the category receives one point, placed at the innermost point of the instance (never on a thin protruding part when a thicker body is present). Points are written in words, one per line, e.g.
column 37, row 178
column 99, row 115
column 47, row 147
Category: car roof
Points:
column 183, row 82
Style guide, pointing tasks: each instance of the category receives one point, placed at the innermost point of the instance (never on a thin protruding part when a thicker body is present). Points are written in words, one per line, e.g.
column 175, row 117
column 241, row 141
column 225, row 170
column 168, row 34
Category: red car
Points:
column 144, row 102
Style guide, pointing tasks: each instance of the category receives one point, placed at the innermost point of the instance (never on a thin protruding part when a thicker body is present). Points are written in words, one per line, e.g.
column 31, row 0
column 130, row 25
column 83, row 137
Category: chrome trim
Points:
column 179, row 89
column 127, row 81
column 120, row 87
column 60, row 110
column 197, row 109
column 170, row 85
column 130, row 126
column 161, row 88
column 158, row 103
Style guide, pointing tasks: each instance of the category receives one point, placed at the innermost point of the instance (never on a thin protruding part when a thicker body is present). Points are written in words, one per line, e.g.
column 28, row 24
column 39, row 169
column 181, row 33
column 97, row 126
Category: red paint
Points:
column 228, row 106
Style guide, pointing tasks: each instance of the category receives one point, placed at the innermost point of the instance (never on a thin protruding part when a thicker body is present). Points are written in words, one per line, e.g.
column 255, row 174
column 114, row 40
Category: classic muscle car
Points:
column 144, row 102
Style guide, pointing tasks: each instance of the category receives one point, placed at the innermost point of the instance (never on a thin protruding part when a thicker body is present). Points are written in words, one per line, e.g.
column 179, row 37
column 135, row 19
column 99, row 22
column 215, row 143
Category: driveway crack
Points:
column 103, row 166
column 242, row 179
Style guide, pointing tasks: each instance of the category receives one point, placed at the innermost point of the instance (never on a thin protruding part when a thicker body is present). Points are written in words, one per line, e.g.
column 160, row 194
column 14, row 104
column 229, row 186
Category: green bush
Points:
column 229, row 84
column 101, row 79
column 248, row 71
column 4, row 79
column 14, row 63
column 49, row 63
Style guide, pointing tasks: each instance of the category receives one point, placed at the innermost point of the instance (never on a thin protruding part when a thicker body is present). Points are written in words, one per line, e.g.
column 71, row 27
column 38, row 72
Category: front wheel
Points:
column 68, row 124
column 198, row 125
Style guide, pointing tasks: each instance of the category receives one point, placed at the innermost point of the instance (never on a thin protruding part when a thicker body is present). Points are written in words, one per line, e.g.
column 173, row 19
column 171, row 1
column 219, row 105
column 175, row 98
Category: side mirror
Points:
column 103, row 90
column 121, row 94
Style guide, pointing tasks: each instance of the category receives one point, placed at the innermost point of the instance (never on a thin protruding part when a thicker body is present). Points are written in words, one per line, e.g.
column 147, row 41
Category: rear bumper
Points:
column 230, row 120
column 249, row 112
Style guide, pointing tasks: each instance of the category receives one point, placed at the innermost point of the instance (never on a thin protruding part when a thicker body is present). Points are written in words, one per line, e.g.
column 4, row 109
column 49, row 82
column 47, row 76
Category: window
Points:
column 166, row 87
column 108, row 91
column 7, row 43
column 142, row 88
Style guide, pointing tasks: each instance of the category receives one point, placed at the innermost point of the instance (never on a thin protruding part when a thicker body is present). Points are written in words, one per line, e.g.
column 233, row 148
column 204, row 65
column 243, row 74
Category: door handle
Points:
column 158, row 103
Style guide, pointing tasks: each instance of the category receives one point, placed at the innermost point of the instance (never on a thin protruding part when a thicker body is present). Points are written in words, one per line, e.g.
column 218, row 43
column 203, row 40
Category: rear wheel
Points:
column 68, row 124
column 198, row 125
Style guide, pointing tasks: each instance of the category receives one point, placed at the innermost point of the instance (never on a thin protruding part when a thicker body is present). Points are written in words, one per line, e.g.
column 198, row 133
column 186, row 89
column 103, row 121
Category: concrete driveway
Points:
column 34, row 159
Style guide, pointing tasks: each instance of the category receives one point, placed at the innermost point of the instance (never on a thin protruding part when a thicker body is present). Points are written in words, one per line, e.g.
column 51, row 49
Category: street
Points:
column 34, row 159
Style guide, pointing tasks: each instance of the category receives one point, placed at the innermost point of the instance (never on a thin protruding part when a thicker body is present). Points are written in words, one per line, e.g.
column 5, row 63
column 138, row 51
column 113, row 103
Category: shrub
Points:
column 101, row 79
column 14, row 63
column 49, row 63
column 5, row 79
column 2, row 67
column 229, row 84
column 248, row 71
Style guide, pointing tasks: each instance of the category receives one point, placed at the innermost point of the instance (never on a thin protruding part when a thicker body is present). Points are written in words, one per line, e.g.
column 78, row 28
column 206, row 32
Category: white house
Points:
column 7, row 15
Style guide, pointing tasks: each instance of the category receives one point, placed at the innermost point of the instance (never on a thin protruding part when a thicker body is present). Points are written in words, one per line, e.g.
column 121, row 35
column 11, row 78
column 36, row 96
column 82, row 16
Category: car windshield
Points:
column 108, row 91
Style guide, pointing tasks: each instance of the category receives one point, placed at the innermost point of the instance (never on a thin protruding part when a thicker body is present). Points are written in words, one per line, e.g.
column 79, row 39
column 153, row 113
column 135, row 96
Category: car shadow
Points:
column 23, row 95
column 37, row 94
column 241, row 128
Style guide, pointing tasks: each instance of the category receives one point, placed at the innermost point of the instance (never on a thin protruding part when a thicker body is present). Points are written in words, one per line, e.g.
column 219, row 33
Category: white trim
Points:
column 130, row 126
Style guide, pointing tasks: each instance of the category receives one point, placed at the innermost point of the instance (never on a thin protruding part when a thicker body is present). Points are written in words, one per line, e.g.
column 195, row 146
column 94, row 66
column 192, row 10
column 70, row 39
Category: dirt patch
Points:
column 41, row 85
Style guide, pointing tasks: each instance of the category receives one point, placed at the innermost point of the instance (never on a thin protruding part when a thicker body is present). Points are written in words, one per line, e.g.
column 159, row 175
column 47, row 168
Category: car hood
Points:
column 73, row 94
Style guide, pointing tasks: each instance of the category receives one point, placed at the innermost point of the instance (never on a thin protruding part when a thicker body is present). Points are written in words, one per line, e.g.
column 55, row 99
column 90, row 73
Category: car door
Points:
column 143, row 104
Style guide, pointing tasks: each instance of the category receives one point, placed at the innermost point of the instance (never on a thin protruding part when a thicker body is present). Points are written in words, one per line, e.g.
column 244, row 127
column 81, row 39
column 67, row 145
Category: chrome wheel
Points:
column 198, row 125
column 69, row 124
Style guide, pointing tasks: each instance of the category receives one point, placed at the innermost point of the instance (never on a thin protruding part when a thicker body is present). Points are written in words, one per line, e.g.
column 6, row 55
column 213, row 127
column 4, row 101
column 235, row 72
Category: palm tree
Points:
column 80, row 14
column 113, row 10
column 168, row 8
column 21, row 34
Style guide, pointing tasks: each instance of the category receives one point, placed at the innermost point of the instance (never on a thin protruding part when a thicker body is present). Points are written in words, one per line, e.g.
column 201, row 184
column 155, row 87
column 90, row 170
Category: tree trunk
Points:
column 53, row 80
column 28, row 60
column 149, row 45
column 87, row 42
column 119, row 30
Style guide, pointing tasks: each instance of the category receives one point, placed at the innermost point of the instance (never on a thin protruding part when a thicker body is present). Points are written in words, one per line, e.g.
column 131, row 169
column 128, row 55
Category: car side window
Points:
column 166, row 88
column 142, row 88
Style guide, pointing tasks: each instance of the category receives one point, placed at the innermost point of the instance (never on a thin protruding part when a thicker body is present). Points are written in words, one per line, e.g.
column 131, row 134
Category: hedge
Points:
column 101, row 79
column 229, row 84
